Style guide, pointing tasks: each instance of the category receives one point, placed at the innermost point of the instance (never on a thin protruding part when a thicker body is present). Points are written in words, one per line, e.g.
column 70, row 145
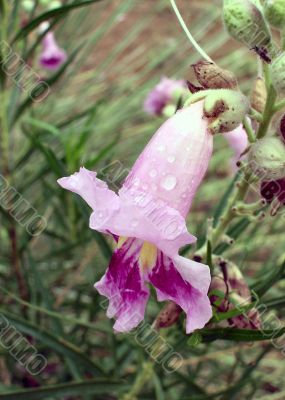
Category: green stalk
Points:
column 249, row 131
column 240, row 193
column 188, row 34
column 142, row 378
column 243, row 184
column 5, row 158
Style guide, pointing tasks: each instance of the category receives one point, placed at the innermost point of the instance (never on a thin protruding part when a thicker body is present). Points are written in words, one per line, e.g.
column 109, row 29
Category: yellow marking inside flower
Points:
column 148, row 256
column 121, row 241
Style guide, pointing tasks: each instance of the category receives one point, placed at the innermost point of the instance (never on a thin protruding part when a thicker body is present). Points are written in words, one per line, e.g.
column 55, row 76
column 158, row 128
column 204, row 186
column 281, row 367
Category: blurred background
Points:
column 117, row 52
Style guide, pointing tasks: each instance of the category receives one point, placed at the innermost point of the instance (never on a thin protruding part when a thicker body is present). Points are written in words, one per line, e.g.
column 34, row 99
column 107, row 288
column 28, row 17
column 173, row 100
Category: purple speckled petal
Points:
column 52, row 56
column 123, row 285
column 186, row 283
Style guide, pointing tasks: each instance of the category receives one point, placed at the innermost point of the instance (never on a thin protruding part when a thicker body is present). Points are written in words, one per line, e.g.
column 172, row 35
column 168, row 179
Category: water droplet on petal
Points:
column 137, row 182
column 161, row 148
column 144, row 186
column 170, row 159
column 134, row 223
column 169, row 182
column 153, row 173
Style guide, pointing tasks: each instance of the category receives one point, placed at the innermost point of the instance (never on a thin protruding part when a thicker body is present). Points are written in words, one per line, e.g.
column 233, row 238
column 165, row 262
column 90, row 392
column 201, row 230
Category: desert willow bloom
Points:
column 52, row 56
column 147, row 219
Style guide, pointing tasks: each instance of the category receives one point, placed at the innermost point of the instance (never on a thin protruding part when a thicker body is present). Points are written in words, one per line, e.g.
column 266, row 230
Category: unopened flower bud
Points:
column 226, row 110
column 258, row 95
column 245, row 22
column 267, row 158
column 275, row 12
column 278, row 73
column 229, row 290
column 210, row 76
column 168, row 316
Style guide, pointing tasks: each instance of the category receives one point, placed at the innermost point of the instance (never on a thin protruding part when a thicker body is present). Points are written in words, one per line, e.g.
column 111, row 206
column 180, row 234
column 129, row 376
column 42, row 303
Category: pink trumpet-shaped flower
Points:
column 147, row 218
column 238, row 141
column 165, row 93
column 52, row 56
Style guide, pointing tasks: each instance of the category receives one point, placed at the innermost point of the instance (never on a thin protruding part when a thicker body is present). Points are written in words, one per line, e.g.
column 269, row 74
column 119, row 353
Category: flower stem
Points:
column 142, row 378
column 241, row 191
column 249, row 131
column 283, row 39
column 5, row 164
column 279, row 106
column 188, row 34
column 244, row 183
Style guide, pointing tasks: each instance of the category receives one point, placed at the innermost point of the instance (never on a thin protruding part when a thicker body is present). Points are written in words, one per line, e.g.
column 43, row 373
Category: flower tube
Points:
column 147, row 219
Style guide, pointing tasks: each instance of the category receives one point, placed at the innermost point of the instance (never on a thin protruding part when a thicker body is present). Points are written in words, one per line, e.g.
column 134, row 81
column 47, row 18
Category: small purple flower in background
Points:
column 147, row 219
column 52, row 56
column 238, row 141
column 229, row 290
column 165, row 93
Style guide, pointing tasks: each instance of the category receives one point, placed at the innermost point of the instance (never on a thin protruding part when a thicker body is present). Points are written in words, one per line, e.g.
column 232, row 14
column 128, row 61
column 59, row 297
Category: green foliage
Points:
column 93, row 116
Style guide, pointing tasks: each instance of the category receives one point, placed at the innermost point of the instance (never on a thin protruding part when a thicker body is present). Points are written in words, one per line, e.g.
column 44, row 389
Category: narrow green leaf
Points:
column 224, row 200
column 56, row 12
column 239, row 335
column 263, row 285
column 59, row 345
column 276, row 303
column 56, row 315
column 43, row 126
column 49, row 82
column 92, row 386
column 234, row 233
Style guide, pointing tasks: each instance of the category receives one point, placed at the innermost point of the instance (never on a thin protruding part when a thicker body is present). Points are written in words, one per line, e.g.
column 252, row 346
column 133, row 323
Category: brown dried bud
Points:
column 258, row 95
column 168, row 316
column 210, row 76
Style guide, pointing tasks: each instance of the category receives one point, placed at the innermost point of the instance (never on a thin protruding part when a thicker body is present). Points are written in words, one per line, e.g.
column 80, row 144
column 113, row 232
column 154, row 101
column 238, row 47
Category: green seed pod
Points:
column 278, row 73
column 267, row 158
column 275, row 12
column 225, row 109
column 245, row 22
